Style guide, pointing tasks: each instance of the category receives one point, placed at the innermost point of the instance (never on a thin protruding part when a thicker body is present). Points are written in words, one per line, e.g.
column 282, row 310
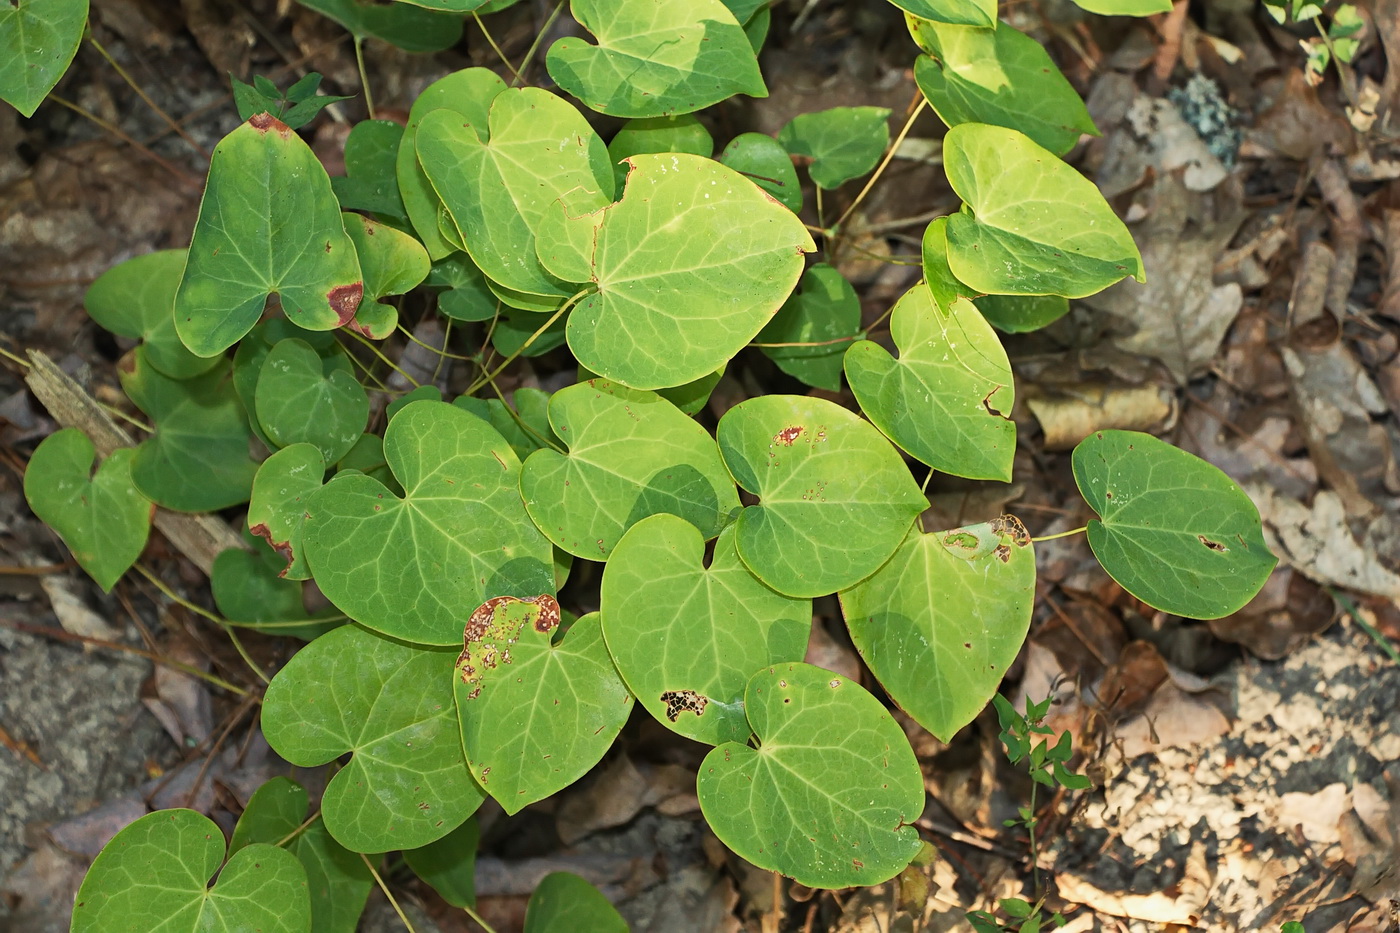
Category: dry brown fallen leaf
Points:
column 1180, row 316
column 1317, row 541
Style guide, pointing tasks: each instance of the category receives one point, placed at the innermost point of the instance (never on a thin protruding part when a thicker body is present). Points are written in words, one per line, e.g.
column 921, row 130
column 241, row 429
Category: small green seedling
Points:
column 297, row 106
column 1028, row 740
column 441, row 529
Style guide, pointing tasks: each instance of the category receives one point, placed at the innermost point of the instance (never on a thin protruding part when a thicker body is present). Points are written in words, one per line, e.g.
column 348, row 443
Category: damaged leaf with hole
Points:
column 1173, row 530
column 535, row 714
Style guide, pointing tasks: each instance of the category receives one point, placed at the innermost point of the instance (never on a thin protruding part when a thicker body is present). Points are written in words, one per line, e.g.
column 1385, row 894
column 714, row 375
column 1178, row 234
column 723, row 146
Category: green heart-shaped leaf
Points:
column 842, row 143
column 468, row 297
column 252, row 352
column 938, row 275
column 940, row 624
column 197, row 461
column 525, row 427
column 1011, row 314
column 154, row 875
column 389, row 705
column 1021, row 314
column 370, row 181
column 1174, row 530
column 537, row 149
column 136, row 298
column 392, row 263
column 248, row 592
column 836, row 498
column 762, row 160
column 637, row 329
column 565, row 903
column 829, row 796
column 101, row 516
column 38, row 39
column 410, row 27
column 689, row 398
column 277, row 506
column 409, row 566
column 338, row 879
column 515, row 329
column 685, row 635
column 1031, row 225
column 305, row 398
column 947, row 399
column 468, row 92
column 269, row 222
column 535, row 715
column 655, row 59
column 822, row 311
column 631, row 454
column 959, row 12
column 999, row 76
column 684, row 133
column 448, row 865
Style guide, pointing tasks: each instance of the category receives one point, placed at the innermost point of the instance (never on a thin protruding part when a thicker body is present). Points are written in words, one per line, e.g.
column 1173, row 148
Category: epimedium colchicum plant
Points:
column 444, row 535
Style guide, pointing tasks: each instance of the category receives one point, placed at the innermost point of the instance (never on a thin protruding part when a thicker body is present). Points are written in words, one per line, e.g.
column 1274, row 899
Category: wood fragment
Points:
column 200, row 538
column 1309, row 299
column 1347, row 227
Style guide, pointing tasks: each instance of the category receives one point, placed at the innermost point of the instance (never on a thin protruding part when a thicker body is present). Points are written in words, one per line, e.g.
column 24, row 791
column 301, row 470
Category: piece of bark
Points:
column 200, row 538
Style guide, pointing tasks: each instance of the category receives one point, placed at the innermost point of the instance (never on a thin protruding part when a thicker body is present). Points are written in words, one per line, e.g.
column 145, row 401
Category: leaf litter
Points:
column 1239, row 783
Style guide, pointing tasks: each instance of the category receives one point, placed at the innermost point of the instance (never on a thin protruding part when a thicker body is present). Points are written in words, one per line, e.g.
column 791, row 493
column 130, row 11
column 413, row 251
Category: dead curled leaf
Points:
column 1316, row 541
column 1180, row 316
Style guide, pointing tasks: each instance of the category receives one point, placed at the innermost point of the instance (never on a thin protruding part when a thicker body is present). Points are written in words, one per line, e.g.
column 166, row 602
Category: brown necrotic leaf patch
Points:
column 345, row 301
column 787, row 435
column 494, row 627
column 680, row 701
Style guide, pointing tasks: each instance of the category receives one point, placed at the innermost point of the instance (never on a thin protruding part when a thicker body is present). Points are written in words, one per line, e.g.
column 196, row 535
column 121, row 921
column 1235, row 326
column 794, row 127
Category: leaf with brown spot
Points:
column 269, row 223
column 535, row 715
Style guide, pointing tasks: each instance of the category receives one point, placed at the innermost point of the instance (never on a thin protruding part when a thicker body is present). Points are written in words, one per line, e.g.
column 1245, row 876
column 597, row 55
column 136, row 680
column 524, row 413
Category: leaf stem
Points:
column 305, row 825
column 134, row 422
column 879, row 169
column 1062, row 534
column 364, row 77
column 169, row 120
column 535, row 46
column 486, row 378
column 385, row 888
column 521, row 421
column 201, row 611
column 185, row 178
column 1350, row 607
column 427, row 346
column 477, row 917
column 494, row 47
column 17, row 360
column 383, row 359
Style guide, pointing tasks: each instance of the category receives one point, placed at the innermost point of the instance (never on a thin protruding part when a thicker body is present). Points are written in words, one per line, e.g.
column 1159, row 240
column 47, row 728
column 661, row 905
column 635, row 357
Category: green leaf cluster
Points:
column 441, row 531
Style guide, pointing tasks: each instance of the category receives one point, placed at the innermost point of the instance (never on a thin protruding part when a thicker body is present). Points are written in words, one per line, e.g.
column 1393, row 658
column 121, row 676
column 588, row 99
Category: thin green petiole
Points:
column 1062, row 534
column 879, row 170
column 364, row 77
column 201, row 611
column 495, row 48
column 1350, row 608
column 535, row 46
column 477, row 917
column 169, row 120
column 382, row 358
column 529, row 341
column 385, row 888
